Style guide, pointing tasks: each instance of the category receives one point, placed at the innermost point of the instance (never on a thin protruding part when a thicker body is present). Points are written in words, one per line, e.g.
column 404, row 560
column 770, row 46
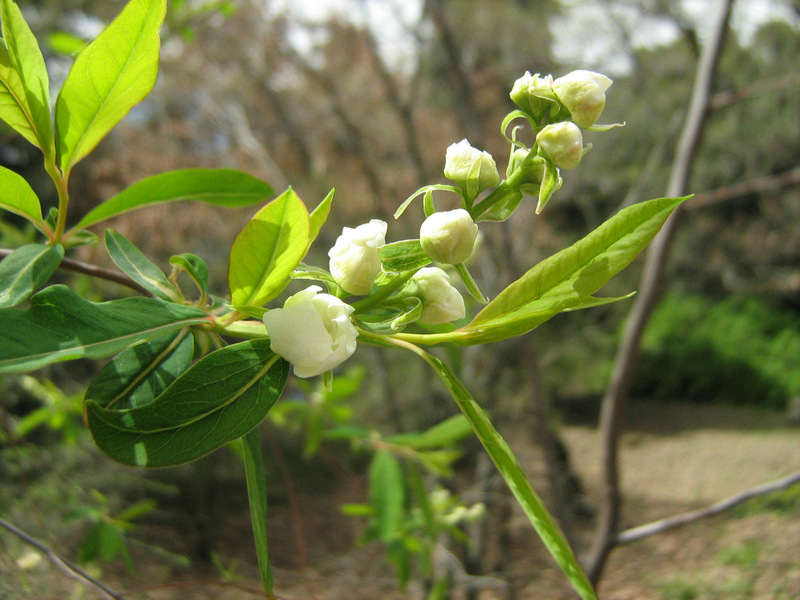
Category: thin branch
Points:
column 642, row 531
column 767, row 183
column 614, row 401
column 77, row 266
column 62, row 563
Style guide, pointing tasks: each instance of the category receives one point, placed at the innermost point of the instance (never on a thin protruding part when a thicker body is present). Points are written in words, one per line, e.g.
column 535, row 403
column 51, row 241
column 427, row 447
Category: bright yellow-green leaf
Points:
column 267, row 250
column 109, row 77
column 18, row 197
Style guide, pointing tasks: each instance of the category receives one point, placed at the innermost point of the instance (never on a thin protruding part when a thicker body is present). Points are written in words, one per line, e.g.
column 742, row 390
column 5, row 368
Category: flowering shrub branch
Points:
column 173, row 389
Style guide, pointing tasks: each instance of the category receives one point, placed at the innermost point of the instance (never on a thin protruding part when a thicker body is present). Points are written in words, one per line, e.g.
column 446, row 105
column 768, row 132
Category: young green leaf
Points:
column 221, row 187
column 219, row 399
column 447, row 433
column 24, row 84
column 318, row 217
column 387, row 493
column 138, row 267
column 137, row 375
column 403, row 256
column 25, row 269
column 108, row 78
column 267, row 250
column 569, row 277
column 508, row 466
column 17, row 196
column 257, row 496
column 60, row 325
column 195, row 267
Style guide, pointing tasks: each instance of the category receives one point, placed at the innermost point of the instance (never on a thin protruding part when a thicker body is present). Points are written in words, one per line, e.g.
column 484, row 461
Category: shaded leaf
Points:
column 60, row 325
column 138, row 267
column 108, row 78
column 195, row 267
column 25, row 269
column 403, row 256
column 221, row 187
column 137, row 375
column 387, row 493
column 267, row 250
column 257, row 496
column 219, row 399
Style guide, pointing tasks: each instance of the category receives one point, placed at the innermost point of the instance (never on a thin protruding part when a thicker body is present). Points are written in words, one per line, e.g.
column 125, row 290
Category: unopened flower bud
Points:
column 312, row 331
column 441, row 302
column 583, row 93
column 473, row 170
column 534, row 95
column 562, row 143
column 354, row 259
column 448, row 237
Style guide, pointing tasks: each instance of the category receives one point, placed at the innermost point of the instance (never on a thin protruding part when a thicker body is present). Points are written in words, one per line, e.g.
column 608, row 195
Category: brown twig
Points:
column 62, row 563
column 76, row 266
column 767, row 183
column 642, row 531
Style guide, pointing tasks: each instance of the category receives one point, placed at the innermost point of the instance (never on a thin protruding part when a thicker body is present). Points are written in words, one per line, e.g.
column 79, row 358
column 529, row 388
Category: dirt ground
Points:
column 675, row 458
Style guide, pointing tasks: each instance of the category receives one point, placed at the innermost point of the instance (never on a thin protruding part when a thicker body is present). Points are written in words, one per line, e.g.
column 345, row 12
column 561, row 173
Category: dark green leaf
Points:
column 108, row 78
column 387, row 493
column 24, row 84
column 195, row 267
column 403, row 256
column 221, row 187
column 138, row 267
column 220, row 398
column 267, row 250
column 60, row 325
column 18, row 197
column 25, row 269
column 137, row 375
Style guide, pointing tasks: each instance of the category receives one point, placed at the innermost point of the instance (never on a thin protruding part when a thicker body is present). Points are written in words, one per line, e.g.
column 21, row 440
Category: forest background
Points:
column 365, row 96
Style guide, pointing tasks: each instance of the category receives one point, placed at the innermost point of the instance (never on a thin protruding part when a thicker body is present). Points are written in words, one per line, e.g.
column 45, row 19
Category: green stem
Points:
column 383, row 293
column 257, row 496
column 61, row 181
column 511, row 471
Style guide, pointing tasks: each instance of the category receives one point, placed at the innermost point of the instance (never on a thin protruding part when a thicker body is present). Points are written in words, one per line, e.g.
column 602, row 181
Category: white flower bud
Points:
column 583, row 93
column 473, row 170
column 534, row 95
column 448, row 237
column 441, row 302
column 312, row 331
column 354, row 259
column 562, row 143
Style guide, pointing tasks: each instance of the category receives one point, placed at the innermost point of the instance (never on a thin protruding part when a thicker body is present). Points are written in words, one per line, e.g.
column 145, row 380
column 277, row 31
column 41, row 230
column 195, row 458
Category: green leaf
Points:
column 108, row 78
column 403, row 256
column 24, row 84
column 219, row 399
column 195, row 267
column 508, row 466
column 138, row 374
column 568, row 278
column 387, row 493
column 318, row 217
column 221, row 187
column 267, row 250
column 138, row 267
column 60, row 325
column 257, row 496
column 25, row 269
column 447, row 433
column 18, row 197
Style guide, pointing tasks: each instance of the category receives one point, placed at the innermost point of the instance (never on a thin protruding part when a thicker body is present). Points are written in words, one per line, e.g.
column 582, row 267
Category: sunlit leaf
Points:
column 221, row 187
column 27, row 268
column 24, row 84
column 219, row 399
column 17, row 196
column 403, row 256
column 318, row 217
column 138, row 267
column 60, row 325
column 108, row 78
column 267, row 250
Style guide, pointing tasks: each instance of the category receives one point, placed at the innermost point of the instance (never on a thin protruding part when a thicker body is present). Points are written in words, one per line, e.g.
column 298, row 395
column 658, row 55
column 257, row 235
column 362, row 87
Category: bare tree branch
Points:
column 62, row 563
column 642, row 531
column 647, row 298
column 767, row 183
column 77, row 266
